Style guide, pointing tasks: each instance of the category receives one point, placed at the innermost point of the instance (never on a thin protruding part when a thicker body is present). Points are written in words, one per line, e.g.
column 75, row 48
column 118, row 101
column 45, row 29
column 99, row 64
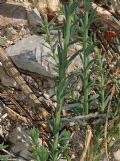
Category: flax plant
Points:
column 86, row 20
column 101, row 85
column 39, row 152
column 61, row 84
column 59, row 53
column 85, row 58
column 3, row 157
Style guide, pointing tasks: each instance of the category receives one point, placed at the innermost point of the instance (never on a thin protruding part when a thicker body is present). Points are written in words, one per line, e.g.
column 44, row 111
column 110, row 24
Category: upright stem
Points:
column 102, row 86
column 102, row 79
column 85, row 62
column 56, row 130
column 60, row 87
column 49, row 39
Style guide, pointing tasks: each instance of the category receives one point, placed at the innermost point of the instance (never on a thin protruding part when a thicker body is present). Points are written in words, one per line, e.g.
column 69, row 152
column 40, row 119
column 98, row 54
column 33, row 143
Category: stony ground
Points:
column 22, row 39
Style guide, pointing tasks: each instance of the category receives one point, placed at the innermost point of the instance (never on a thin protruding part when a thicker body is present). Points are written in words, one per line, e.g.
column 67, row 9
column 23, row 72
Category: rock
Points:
column 21, row 142
column 18, row 147
column 12, row 13
column 21, row 148
column 31, row 54
column 25, row 154
column 51, row 92
column 6, row 79
column 17, row 134
column 35, row 21
column 21, row 159
column 34, row 17
column 43, row 5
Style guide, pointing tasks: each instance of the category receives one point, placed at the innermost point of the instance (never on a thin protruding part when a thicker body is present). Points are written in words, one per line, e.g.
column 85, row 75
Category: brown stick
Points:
column 89, row 136
column 9, row 66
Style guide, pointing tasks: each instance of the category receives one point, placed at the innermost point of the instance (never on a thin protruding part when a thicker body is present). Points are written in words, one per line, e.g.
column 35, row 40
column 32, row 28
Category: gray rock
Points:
column 26, row 154
column 22, row 149
column 21, row 142
column 6, row 79
column 32, row 55
column 12, row 13
column 34, row 18
column 29, row 48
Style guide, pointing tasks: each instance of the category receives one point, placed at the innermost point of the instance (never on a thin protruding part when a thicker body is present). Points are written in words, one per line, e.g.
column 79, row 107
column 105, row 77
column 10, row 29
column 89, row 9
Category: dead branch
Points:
column 89, row 136
column 81, row 117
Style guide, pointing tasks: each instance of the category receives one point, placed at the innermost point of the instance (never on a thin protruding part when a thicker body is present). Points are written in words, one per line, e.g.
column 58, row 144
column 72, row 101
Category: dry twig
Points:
column 87, row 144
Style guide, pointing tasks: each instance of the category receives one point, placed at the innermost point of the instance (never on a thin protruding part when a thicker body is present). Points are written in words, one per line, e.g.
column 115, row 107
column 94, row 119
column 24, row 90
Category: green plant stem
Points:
column 102, row 82
column 56, row 130
column 49, row 39
column 85, row 62
column 61, row 88
column 102, row 79
column 102, row 92
column 67, row 36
